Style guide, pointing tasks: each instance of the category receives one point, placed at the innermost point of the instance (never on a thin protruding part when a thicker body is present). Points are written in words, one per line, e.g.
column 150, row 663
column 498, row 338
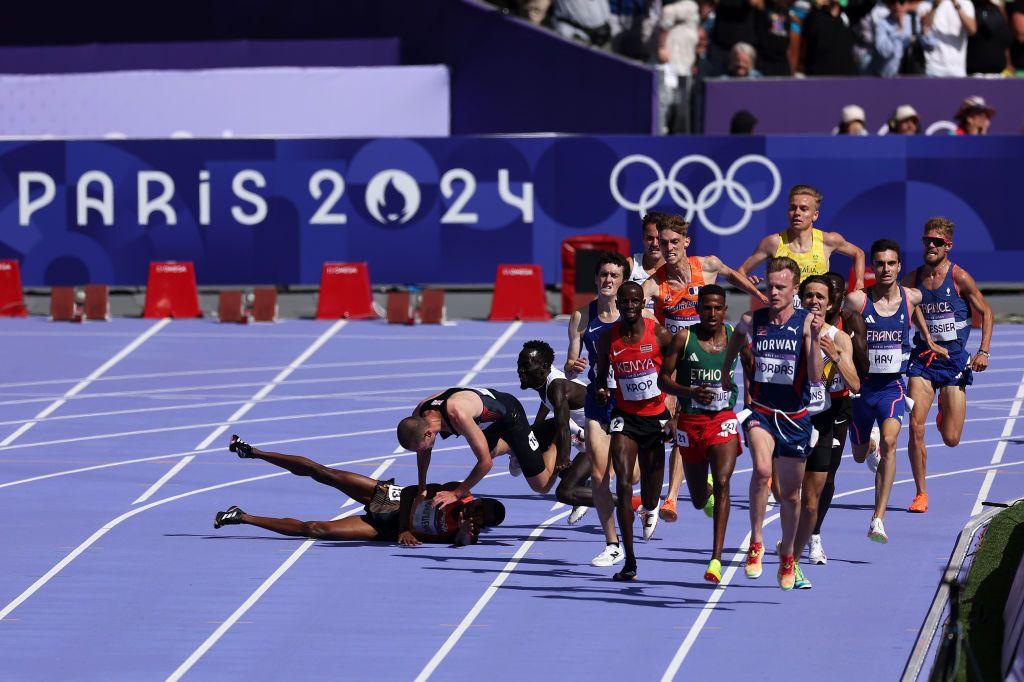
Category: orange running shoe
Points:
column 754, row 554
column 787, row 572
column 668, row 512
column 920, row 503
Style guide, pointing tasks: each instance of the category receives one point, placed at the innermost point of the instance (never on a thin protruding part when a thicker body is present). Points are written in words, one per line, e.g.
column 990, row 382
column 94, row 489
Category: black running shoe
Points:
column 240, row 447
column 231, row 517
column 627, row 574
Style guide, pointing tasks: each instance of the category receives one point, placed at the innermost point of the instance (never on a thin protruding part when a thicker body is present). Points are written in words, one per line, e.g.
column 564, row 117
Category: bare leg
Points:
column 791, row 475
column 598, row 443
column 349, row 528
column 814, row 482
column 358, row 487
column 762, row 445
column 953, row 404
column 723, row 461
column 697, row 482
column 676, row 473
column 886, row 473
column 624, row 455
column 922, row 393
column 574, row 488
column 545, row 480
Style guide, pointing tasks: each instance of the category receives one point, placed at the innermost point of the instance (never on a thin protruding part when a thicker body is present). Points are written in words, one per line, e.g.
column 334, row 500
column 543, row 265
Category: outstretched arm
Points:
column 764, row 251
column 463, row 422
column 713, row 265
column 837, row 243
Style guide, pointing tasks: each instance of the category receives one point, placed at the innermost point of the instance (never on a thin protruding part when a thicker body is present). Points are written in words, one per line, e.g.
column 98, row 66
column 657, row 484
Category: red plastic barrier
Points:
column 519, row 294
column 584, row 281
column 345, row 292
column 12, row 301
column 171, row 290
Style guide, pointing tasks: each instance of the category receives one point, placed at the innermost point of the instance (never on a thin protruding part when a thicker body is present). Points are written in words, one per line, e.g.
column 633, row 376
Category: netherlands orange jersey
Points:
column 677, row 308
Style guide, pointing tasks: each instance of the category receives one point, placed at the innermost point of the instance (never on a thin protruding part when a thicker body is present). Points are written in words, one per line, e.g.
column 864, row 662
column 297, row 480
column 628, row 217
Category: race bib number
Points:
column 942, row 328
column 640, row 387
column 718, row 403
column 617, row 425
column 730, row 427
column 682, row 439
column 886, row 360
column 818, row 399
column 394, row 493
column 775, row 370
column 675, row 325
column 533, row 441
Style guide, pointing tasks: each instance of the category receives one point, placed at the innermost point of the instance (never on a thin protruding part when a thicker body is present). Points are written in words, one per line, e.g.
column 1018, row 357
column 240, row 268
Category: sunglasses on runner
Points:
column 936, row 241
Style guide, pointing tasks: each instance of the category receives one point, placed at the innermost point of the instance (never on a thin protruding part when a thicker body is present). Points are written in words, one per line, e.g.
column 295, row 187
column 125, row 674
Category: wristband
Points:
column 984, row 352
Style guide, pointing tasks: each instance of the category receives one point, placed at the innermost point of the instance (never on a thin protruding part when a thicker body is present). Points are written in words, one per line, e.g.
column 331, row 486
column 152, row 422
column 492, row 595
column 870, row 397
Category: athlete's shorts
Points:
column 696, row 433
column 831, row 427
column 592, row 409
column 792, row 433
column 647, row 432
column 878, row 401
column 941, row 372
column 514, row 429
column 382, row 509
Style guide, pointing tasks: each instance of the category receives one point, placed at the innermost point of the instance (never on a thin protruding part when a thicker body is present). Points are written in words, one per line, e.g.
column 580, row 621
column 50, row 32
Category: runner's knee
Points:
column 315, row 529
column 950, row 439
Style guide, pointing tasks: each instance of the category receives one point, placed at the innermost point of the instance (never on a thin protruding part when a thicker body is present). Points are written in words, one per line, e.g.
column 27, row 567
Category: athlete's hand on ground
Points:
column 602, row 396
column 939, row 350
column 828, row 347
column 704, row 394
column 445, row 498
column 576, row 368
column 468, row 532
column 980, row 362
column 407, row 539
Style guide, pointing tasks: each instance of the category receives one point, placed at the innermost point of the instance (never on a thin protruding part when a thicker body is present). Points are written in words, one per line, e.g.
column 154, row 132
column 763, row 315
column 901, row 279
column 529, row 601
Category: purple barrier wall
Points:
column 812, row 105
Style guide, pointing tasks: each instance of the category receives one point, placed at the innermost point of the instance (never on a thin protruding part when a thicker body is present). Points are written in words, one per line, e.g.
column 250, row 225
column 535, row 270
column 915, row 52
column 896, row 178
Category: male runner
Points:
column 706, row 429
column 674, row 288
column 786, row 355
column 634, row 349
column 586, row 327
column 643, row 264
column 391, row 512
column 808, row 246
column 887, row 309
column 947, row 295
column 830, row 417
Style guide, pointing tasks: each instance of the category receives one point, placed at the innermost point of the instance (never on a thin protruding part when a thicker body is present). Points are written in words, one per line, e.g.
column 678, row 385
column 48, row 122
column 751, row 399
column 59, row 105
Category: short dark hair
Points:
column 710, row 290
column 653, row 218
column 881, row 245
column 627, row 285
column 819, row 279
column 613, row 258
column 493, row 507
column 410, row 431
column 783, row 263
column 547, row 354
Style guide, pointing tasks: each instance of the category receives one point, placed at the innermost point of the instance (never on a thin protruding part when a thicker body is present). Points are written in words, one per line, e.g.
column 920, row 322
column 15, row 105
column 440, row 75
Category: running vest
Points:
column 888, row 338
column 430, row 520
column 677, row 309
column 948, row 315
column 595, row 330
column 636, row 372
column 492, row 412
column 813, row 262
column 780, row 366
column 638, row 274
column 701, row 368
column 574, row 415
column 831, row 383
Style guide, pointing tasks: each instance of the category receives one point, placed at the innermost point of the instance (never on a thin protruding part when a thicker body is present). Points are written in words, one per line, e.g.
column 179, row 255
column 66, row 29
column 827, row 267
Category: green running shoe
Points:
column 801, row 582
column 709, row 506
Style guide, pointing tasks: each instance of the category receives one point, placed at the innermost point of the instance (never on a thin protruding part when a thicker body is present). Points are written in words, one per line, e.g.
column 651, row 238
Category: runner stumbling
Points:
column 948, row 293
column 706, row 428
column 391, row 513
column 634, row 349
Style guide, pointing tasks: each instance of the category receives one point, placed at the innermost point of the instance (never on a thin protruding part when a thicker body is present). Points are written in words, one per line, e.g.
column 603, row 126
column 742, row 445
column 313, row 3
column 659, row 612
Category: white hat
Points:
column 852, row 112
column 903, row 112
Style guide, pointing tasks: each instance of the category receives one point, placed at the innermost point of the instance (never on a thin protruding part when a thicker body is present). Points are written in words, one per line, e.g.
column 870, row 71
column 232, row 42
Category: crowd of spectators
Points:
column 972, row 118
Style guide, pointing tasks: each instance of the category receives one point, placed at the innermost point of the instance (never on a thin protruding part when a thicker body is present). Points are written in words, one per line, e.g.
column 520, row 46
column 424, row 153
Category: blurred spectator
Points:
column 988, row 49
column 827, row 41
column 742, row 123
column 734, row 23
column 852, row 121
column 634, row 26
column 893, row 27
column 677, row 55
column 535, row 11
column 798, row 12
column 772, row 26
column 974, row 116
column 1015, row 12
column 949, row 23
column 707, row 14
column 584, row 20
column 742, row 58
column 905, row 121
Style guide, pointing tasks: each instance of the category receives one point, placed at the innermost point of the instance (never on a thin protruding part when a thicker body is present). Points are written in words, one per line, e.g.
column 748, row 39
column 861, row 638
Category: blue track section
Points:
column 98, row 584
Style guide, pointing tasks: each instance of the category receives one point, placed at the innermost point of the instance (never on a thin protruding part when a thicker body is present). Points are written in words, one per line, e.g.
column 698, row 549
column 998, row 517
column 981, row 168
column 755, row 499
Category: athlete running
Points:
column 586, row 327
column 706, row 427
column 887, row 309
column 643, row 264
column 392, row 513
column 948, row 294
column 634, row 349
column 787, row 354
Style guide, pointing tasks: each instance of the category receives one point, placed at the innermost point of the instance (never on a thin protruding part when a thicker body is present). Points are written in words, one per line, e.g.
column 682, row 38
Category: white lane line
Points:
column 84, row 383
column 739, row 556
column 490, row 354
column 997, row 455
column 488, row 594
column 262, row 589
column 248, row 405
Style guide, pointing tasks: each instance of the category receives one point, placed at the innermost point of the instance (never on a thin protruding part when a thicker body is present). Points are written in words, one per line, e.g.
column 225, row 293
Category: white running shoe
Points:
column 577, row 514
column 513, row 466
column 876, row 533
column 816, row 551
column 611, row 555
column 649, row 520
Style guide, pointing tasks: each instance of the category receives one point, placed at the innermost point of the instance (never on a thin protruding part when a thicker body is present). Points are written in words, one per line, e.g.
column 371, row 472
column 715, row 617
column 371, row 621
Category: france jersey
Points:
column 948, row 316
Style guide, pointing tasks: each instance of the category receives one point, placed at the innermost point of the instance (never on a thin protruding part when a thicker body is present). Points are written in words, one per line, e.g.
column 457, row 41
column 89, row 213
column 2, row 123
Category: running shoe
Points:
column 635, row 502
column 611, row 555
column 920, row 504
column 649, row 519
column 709, row 506
column 754, row 554
column 578, row 512
column 816, row 551
column 240, row 447
column 873, row 454
column 876, row 532
column 714, row 572
column 231, row 517
column 513, row 466
column 627, row 574
column 801, row 582
column 668, row 512
column 787, row 573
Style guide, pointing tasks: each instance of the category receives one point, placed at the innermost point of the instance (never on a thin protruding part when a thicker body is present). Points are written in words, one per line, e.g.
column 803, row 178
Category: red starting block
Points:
column 264, row 306
column 12, row 301
column 400, row 308
column 345, row 292
column 519, row 294
column 171, row 291
column 63, row 307
column 97, row 302
column 231, row 307
column 432, row 310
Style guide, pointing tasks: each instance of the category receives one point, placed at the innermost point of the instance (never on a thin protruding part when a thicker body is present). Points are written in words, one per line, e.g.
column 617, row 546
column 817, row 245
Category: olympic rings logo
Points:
column 707, row 197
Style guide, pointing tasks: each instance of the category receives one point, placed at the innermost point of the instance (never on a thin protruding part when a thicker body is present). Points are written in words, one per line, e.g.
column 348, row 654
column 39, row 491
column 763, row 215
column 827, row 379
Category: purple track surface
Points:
column 98, row 584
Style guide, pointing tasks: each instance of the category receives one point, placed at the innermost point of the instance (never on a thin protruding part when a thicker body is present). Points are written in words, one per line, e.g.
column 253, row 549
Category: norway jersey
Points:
column 595, row 330
column 888, row 338
column 948, row 315
column 780, row 366
column 636, row 370
column 677, row 308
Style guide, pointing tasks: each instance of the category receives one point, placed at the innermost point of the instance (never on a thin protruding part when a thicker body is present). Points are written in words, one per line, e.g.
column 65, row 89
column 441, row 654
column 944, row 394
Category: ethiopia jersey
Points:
column 697, row 367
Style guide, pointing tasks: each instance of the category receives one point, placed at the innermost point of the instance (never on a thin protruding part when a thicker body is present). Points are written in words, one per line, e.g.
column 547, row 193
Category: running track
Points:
column 112, row 465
